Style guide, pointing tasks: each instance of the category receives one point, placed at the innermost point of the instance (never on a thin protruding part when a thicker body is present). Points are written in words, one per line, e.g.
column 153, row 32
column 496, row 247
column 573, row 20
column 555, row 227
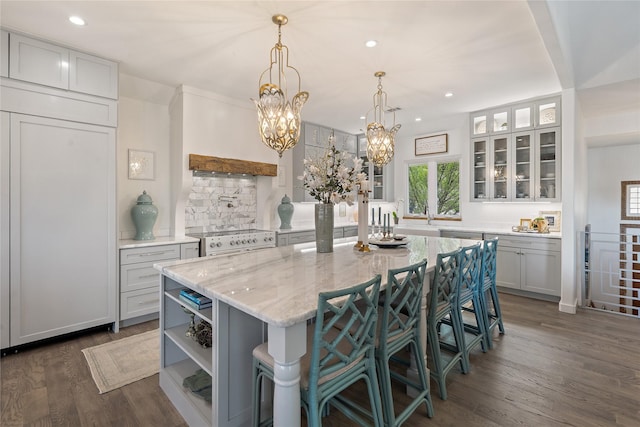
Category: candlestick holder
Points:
column 363, row 228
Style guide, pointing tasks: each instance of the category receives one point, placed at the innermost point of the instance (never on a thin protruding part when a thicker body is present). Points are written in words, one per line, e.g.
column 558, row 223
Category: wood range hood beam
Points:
column 232, row 166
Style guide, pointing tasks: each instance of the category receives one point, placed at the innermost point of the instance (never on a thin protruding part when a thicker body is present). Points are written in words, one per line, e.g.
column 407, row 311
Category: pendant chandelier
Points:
column 278, row 117
column 380, row 141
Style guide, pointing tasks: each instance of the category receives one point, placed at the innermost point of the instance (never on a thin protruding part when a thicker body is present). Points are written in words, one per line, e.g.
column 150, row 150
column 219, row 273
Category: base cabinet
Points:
column 139, row 294
column 530, row 264
column 227, row 362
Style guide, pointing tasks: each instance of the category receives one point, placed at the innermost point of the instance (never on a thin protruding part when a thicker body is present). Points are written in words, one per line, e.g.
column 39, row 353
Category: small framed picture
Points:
column 141, row 164
column 434, row 144
column 553, row 219
column 525, row 224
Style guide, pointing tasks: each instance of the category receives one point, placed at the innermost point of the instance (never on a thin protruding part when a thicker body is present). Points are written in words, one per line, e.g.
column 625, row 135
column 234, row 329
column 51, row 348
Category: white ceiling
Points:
column 486, row 52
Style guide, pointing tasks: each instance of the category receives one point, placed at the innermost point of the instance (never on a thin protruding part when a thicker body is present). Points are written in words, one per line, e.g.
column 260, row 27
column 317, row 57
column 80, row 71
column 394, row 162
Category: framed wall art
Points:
column 141, row 164
column 553, row 219
column 434, row 144
column 525, row 224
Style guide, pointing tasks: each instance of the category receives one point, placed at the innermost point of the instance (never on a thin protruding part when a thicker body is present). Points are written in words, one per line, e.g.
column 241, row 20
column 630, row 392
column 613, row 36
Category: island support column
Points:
column 286, row 346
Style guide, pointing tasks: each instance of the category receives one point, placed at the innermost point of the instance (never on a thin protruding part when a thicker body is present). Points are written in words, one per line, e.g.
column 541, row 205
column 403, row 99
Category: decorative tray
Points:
column 388, row 243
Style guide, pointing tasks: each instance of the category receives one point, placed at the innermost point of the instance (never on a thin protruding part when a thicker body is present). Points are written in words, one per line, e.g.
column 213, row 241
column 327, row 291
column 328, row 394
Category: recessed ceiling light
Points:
column 448, row 94
column 76, row 20
column 371, row 43
column 418, row 119
column 362, row 117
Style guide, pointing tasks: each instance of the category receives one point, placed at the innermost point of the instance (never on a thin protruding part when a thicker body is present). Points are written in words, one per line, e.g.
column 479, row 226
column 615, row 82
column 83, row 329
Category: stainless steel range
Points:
column 220, row 242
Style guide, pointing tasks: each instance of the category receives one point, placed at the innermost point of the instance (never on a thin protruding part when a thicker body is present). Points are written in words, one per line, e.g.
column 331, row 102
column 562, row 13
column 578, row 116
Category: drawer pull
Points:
column 149, row 275
column 153, row 253
column 154, row 301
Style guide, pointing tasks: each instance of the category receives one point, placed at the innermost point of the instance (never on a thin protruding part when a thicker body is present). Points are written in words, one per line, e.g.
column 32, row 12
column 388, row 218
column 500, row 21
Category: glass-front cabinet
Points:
column 515, row 152
column 548, row 164
column 501, row 160
column 375, row 173
column 548, row 112
column 523, row 170
column 480, row 168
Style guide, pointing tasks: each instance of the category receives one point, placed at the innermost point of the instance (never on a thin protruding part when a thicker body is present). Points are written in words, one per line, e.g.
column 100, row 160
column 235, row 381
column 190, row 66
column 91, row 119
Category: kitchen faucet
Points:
column 426, row 211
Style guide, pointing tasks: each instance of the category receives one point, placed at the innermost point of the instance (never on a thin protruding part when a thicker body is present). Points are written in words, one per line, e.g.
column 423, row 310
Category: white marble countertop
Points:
column 158, row 241
column 410, row 227
column 280, row 285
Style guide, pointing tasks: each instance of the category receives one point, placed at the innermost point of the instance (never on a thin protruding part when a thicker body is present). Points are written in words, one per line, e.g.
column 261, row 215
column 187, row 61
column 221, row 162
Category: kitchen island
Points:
column 277, row 287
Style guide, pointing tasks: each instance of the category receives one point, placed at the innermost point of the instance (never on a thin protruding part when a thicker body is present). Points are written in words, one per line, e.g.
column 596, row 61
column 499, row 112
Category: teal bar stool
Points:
column 335, row 359
column 489, row 293
column 399, row 328
column 469, row 302
column 446, row 350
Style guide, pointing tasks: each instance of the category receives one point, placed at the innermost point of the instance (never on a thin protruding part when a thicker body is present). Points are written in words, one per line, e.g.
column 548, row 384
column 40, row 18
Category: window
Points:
column 443, row 198
column 630, row 200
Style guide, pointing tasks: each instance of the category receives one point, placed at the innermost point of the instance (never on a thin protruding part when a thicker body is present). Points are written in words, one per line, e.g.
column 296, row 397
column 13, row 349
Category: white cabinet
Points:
column 516, row 159
column 4, row 54
column 47, row 64
column 4, row 230
column 548, row 164
column 228, row 361
column 61, row 205
column 189, row 250
column 38, row 62
column 530, row 264
column 139, row 294
column 93, row 75
column 547, row 112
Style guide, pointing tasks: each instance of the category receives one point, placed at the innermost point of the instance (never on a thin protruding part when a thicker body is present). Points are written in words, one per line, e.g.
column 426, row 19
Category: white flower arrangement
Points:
column 330, row 179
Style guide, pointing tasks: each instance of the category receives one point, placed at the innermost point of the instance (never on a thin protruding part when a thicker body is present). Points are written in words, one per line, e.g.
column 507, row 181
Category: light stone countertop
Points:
column 158, row 241
column 280, row 285
column 418, row 228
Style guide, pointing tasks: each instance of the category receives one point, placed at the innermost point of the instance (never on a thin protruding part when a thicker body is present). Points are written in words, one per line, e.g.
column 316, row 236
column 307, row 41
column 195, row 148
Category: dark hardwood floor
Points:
column 550, row 369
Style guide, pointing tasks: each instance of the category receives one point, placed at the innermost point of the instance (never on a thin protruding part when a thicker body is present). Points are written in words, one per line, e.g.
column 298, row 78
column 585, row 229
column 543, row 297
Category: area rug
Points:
column 124, row 361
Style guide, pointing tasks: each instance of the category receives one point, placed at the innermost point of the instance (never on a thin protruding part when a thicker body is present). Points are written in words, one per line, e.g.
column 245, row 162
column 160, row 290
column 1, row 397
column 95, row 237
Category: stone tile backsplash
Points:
column 221, row 203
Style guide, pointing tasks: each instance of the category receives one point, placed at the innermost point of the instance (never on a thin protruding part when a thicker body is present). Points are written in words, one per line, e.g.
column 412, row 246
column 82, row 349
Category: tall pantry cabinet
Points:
column 58, row 191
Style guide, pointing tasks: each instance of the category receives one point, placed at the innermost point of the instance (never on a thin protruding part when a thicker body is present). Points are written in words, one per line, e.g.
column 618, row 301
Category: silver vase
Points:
column 324, row 227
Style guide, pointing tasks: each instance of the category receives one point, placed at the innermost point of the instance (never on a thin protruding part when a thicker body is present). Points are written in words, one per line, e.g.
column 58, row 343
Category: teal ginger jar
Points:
column 285, row 212
column 144, row 215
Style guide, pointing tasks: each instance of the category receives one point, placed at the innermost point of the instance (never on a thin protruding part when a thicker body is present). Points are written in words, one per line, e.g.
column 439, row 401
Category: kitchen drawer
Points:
column 138, row 303
column 138, row 276
column 541, row 243
column 350, row 231
column 458, row 234
column 149, row 253
column 302, row 237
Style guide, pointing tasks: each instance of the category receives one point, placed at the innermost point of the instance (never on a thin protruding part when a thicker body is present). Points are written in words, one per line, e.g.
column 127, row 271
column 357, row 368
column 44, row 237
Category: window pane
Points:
column 418, row 189
column 633, row 199
column 449, row 188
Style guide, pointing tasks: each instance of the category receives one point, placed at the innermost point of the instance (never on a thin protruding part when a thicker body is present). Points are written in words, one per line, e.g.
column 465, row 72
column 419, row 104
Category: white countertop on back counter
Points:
column 158, row 241
column 408, row 227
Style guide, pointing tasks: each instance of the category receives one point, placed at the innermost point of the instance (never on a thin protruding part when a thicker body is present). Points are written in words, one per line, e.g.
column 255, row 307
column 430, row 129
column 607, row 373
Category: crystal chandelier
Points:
column 380, row 141
column 278, row 117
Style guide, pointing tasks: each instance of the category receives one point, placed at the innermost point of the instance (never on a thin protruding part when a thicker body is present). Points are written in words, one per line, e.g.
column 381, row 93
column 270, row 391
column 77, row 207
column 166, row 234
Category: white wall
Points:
column 143, row 124
column 607, row 167
column 488, row 214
